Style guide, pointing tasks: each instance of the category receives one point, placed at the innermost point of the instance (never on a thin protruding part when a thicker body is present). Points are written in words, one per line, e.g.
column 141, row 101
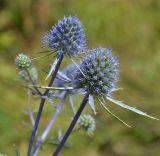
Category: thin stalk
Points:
column 16, row 150
column 73, row 122
column 52, row 88
column 49, row 126
column 30, row 110
column 32, row 82
column 42, row 104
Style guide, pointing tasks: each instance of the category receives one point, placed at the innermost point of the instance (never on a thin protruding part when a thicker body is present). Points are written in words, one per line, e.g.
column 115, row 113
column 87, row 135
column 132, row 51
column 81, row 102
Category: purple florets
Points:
column 101, row 72
column 66, row 37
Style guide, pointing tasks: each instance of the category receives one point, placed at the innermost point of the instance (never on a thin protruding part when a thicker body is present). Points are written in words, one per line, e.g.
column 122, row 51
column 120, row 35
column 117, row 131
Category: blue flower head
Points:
column 66, row 37
column 98, row 75
column 100, row 69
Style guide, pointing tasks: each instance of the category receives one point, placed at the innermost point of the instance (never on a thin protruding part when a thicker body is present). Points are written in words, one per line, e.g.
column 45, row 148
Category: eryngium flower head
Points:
column 87, row 122
column 67, row 36
column 100, row 69
column 23, row 61
column 33, row 73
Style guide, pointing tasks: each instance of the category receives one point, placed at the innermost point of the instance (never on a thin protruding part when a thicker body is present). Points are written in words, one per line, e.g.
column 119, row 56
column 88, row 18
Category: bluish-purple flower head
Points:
column 66, row 37
column 101, row 72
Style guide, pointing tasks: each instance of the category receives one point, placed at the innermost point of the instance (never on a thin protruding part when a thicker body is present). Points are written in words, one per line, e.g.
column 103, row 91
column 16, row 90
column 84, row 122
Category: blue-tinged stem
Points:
column 73, row 122
column 43, row 99
column 49, row 126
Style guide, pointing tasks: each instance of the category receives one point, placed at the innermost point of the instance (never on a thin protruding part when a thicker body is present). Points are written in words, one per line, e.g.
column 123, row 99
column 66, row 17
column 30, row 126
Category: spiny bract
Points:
column 100, row 72
column 23, row 61
column 67, row 78
column 87, row 122
column 66, row 37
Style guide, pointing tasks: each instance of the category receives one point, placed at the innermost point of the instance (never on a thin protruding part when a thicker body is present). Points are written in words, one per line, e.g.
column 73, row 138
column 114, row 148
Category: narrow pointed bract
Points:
column 52, row 68
column 91, row 103
column 119, row 103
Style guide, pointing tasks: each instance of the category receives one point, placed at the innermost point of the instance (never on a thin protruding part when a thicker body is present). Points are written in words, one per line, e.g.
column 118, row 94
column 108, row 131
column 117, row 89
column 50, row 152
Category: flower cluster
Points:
column 100, row 72
column 87, row 122
column 96, row 75
column 66, row 37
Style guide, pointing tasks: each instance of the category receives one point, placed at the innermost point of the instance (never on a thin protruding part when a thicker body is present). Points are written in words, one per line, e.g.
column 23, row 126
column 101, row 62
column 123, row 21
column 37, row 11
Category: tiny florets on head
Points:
column 23, row 61
column 87, row 122
column 101, row 72
column 67, row 36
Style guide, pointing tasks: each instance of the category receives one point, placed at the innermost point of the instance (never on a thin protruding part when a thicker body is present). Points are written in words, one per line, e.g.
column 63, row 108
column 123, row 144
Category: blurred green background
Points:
column 130, row 28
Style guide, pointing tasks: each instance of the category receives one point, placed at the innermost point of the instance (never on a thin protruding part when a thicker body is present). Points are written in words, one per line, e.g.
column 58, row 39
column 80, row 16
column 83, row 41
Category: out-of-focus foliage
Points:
column 130, row 28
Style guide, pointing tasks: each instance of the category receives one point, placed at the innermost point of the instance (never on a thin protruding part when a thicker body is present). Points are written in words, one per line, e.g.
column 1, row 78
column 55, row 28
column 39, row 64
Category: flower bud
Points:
column 87, row 122
column 23, row 61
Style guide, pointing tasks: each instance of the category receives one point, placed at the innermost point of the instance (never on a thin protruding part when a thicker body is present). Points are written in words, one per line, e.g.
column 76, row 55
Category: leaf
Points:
column 62, row 75
column 72, row 104
column 107, row 109
column 130, row 108
column 52, row 68
column 91, row 103
column 78, row 67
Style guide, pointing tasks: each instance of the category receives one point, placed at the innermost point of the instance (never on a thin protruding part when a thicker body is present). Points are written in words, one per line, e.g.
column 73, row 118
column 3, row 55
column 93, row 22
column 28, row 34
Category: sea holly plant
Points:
column 95, row 76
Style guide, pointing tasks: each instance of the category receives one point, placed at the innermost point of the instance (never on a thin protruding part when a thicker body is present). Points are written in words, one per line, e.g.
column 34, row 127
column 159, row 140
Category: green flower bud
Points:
column 87, row 122
column 23, row 61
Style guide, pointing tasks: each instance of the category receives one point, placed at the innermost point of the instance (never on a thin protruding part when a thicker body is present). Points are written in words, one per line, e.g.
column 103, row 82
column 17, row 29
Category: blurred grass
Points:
column 130, row 28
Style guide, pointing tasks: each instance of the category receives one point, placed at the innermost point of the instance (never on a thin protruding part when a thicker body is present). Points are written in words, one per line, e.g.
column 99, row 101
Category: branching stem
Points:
column 42, row 104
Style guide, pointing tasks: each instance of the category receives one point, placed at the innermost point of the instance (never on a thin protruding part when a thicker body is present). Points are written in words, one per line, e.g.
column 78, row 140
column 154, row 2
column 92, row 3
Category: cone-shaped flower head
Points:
column 66, row 37
column 100, row 69
column 23, row 61
column 87, row 122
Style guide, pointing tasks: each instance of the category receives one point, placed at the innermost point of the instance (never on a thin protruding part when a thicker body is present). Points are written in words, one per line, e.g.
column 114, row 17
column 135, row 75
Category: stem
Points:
column 49, row 126
column 30, row 110
column 32, row 82
column 16, row 150
column 73, row 122
column 42, row 104
column 52, row 88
